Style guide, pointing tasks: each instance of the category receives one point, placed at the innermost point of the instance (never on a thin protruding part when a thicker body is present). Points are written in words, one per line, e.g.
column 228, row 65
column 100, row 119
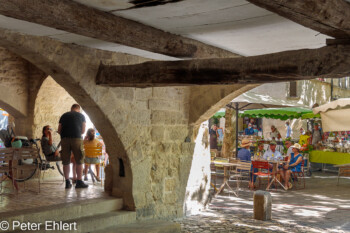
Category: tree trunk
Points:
column 229, row 133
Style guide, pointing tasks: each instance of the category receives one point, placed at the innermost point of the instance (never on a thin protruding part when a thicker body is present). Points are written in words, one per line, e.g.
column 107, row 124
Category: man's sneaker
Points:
column 80, row 184
column 85, row 178
column 68, row 184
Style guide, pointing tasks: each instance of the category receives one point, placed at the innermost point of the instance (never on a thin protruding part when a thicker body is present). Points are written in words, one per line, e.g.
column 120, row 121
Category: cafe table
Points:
column 274, row 174
column 226, row 166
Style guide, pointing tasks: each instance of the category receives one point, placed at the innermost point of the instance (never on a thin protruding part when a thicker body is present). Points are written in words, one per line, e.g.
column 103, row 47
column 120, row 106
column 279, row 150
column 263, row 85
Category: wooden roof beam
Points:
column 77, row 18
column 327, row 62
column 330, row 17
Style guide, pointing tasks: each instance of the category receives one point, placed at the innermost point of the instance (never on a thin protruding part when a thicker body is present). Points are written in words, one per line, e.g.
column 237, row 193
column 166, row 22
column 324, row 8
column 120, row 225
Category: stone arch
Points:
column 74, row 68
column 207, row 100
column 19, row 81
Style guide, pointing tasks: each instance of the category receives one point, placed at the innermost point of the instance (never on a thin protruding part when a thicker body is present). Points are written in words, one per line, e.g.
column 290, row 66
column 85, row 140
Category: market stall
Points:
column 251, row 100
column 335, row 122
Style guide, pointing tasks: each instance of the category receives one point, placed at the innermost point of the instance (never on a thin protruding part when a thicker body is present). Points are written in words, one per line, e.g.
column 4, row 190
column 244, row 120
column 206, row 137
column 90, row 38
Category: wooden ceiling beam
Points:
column 327, row 62
column 77, row 18
column 330, row 17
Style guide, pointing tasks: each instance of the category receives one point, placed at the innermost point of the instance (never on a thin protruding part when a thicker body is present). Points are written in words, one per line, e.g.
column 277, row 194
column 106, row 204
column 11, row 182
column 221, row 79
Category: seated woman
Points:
column 293, row 165
column 91, row 141
column 49, row 148
column 245, row 155
column 260, row 152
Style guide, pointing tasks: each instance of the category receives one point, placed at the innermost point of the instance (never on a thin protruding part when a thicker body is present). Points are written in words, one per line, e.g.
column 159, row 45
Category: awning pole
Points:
column 236, row 129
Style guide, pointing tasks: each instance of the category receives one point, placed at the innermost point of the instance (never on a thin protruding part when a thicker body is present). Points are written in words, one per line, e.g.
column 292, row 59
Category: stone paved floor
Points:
column 52, row 192
column 321, row 207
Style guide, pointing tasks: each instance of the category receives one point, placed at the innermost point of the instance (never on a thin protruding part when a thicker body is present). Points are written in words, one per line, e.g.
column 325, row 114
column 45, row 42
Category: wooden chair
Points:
column 344, row 170
column 298, row 178
column 6, row 157
column 263, row 171
column 25, row 160
column 213, row 153
column 240, row 173
column 216, row 171
column 93, row 152
column 213, row 176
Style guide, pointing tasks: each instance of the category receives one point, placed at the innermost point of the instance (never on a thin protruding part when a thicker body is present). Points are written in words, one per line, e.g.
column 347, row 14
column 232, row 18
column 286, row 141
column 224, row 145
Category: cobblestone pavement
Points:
column 321, row 207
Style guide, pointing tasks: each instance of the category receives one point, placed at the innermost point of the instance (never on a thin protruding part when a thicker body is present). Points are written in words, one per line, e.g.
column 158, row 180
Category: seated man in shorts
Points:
column 49, row 148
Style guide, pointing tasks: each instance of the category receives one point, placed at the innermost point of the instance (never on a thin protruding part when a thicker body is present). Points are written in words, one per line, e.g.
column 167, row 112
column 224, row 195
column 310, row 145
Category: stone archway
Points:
column 74, row 69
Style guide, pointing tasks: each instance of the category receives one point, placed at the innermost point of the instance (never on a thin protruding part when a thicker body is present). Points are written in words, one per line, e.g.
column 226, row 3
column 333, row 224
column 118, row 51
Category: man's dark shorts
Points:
column 74, row 145
column 52, row 157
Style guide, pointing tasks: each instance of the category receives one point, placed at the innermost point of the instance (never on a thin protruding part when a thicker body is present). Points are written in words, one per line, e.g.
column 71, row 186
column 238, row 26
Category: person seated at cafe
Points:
column 249, row 130
column 260, row 152
column 288, row 144
column 272, row 154
column 293, row 165
column 48, row 147
column 274, row 133
column 245, row 155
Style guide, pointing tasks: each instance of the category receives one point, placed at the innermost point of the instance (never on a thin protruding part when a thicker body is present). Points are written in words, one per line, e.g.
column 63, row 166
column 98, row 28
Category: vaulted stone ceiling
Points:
column 237, row 26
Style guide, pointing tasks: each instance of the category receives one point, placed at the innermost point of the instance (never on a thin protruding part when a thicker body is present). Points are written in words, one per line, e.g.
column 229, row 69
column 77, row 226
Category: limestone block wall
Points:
column 153, row 125
column 13, row 83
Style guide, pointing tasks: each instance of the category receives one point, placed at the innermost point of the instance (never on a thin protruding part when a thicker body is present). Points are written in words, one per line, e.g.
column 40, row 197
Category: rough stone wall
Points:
column 13, row 82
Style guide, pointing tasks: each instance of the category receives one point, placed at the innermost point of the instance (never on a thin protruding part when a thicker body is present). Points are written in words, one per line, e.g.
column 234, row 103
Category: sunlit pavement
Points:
column 321, row 207
column 52, row 192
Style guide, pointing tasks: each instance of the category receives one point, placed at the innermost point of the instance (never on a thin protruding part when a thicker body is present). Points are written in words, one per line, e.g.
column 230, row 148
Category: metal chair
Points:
column 263, row 168
column 298, row 178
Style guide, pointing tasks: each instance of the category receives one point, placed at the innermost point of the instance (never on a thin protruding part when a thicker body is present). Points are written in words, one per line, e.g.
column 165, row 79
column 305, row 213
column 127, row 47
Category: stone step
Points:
column 90, row 223
column 152, row 226
column 64, row 212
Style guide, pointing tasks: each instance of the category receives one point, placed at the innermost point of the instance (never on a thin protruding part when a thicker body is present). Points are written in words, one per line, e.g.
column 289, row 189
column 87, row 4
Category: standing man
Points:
column 316, row 135
column 249, row 130
column 289, row 130
column 71, row 126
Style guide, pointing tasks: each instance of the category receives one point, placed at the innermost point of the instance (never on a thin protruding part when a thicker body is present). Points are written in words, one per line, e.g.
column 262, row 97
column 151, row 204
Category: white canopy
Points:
column 252, row 100
column 335, row 115
column 336, row 104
